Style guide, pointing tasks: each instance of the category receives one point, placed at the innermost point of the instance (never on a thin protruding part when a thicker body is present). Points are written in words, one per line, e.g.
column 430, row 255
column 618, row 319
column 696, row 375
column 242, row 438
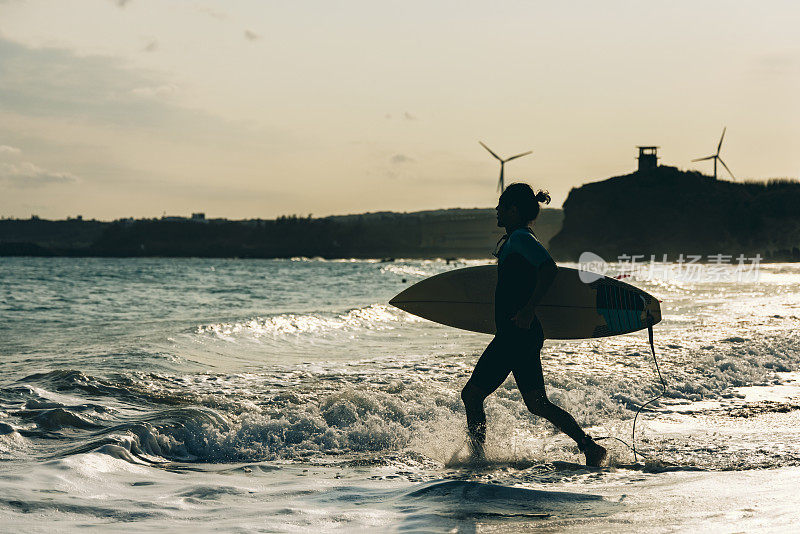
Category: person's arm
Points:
column 544, row 279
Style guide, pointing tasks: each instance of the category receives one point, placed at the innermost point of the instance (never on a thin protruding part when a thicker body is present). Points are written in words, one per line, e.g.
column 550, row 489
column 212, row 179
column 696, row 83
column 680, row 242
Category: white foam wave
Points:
column 11, row 442
column 379, row 406
column 374, row 317
column 406, row 270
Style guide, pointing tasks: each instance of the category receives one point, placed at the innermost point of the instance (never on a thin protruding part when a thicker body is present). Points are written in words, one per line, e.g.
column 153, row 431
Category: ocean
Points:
column 233, row 395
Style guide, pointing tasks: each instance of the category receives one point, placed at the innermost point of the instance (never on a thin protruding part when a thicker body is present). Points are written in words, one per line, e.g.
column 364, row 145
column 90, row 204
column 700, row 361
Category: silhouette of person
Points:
column 525, row 271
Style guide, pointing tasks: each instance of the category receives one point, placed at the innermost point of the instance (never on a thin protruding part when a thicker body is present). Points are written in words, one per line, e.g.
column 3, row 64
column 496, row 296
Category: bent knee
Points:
column 472, row 394
column 537, row 402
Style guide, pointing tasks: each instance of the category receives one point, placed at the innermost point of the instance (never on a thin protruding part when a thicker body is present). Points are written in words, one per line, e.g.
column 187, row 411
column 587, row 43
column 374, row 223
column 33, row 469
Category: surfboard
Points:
column 571, row 309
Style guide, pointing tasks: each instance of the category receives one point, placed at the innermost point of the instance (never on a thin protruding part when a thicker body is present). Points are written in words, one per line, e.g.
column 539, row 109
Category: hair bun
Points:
column 543, row 196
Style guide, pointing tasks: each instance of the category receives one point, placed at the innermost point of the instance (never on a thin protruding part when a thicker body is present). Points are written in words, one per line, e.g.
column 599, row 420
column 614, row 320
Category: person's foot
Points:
column 476, row 450
column 596, row 455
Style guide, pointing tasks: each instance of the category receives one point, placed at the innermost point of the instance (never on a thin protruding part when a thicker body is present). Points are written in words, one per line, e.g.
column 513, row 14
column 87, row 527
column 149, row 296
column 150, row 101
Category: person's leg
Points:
column 489, row 373
column 530, row 381
column 538, row 404
column 473, row 398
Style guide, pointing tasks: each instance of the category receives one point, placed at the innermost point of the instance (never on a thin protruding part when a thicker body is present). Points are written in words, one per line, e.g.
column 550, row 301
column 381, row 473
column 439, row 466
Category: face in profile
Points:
column 506, row 215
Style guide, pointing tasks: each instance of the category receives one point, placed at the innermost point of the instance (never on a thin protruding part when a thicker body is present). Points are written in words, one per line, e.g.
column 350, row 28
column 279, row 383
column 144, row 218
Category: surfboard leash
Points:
column 660, row 378
column 649, row 320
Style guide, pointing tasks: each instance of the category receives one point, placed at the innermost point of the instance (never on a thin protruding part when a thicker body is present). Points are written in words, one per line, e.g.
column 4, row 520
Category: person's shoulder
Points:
column 523, row 237
column 522, row 233
column 523, row 242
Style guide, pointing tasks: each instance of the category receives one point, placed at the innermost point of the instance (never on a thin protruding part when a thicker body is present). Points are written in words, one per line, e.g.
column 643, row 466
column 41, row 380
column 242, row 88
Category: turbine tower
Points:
column 500, row 183
column 716, row 157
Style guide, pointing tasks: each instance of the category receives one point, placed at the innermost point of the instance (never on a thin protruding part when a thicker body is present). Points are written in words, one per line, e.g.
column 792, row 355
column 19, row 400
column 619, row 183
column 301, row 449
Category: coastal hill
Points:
column 668, row 211
column 451, row 233
column 656, row 211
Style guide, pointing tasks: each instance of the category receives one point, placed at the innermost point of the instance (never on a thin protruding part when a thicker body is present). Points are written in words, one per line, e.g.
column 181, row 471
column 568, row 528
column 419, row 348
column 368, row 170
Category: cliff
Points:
column 668, row 211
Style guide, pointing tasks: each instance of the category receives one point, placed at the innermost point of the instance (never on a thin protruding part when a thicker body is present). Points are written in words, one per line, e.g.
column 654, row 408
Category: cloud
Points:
column 27, row 174
column 219, row 15
column 5, row 149
column 168, row 89
column 108, row 95
column 405, row 116
column 51, row 82
column 401, row 158
column 776, row 65
column 251, row 35
column 55, row 82
column 152, row 46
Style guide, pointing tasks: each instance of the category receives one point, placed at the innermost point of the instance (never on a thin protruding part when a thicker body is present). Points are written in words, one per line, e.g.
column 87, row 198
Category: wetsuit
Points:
column 513, row 349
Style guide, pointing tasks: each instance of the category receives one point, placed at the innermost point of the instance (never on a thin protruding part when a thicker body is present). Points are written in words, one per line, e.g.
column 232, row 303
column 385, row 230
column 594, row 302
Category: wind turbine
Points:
column 716, row 157
column 500, row 183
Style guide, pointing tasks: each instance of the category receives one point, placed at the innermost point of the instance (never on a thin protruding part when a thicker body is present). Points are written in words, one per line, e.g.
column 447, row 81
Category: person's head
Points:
column 519, row 205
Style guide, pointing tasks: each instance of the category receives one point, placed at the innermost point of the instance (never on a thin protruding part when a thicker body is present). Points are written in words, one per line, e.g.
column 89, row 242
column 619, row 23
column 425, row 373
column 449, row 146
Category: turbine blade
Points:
column 490, row 151
column 719, row 146
column 520, row 155
column 707, row 157
column 726, row 168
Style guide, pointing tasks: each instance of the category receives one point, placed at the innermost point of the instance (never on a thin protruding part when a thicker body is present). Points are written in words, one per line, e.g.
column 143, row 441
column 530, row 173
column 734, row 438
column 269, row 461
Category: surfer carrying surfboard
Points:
column 525, row 271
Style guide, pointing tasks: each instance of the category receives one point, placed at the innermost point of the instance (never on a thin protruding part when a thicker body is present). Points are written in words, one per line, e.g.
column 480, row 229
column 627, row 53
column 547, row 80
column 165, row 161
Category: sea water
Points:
column 287, row 395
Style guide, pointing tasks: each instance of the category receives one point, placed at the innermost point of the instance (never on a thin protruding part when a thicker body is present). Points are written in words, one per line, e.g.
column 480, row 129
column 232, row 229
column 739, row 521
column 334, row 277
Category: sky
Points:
column 256, row 108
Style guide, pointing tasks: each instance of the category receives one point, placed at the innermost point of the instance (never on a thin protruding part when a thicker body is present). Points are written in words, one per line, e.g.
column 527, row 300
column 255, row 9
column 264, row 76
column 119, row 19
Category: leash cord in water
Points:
column 663, row 392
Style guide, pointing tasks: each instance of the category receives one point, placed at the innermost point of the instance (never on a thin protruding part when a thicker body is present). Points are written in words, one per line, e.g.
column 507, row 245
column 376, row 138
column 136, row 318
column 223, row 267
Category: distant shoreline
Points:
column 660, row 211
column 454, row 233
column 453, row 260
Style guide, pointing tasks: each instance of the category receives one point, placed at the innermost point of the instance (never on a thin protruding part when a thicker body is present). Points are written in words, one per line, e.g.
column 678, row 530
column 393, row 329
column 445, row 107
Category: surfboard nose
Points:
column 404, row 296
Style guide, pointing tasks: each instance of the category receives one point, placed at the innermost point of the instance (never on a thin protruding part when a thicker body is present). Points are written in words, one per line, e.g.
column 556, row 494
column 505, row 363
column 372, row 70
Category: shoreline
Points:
column 372, row 259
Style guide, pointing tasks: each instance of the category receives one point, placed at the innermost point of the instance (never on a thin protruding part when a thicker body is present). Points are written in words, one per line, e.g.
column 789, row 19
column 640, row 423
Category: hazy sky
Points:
column 258, row 108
